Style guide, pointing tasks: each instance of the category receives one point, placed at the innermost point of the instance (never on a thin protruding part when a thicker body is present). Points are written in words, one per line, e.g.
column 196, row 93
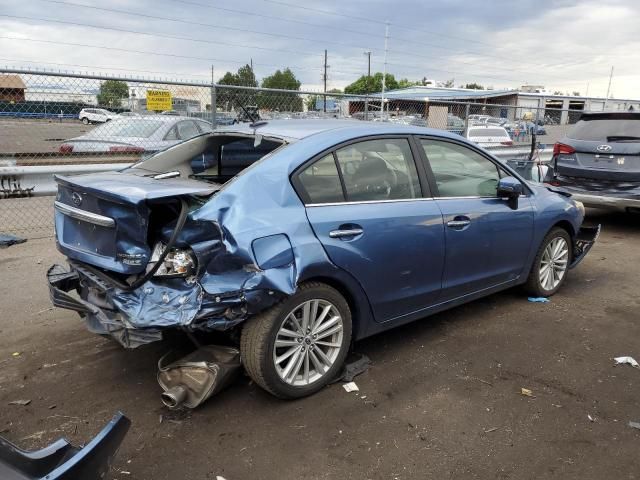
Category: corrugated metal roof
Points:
column 420, row 93
column 11, row 81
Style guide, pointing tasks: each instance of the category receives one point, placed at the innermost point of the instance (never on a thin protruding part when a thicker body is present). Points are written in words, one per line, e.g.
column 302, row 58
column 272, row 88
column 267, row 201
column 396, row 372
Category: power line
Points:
column 210, row 25
column 148, row 52
column 274, row 17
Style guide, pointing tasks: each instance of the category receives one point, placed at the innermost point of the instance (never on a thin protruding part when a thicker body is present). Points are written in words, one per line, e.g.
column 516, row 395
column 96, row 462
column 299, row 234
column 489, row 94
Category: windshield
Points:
column 606, row 130
column 127, row 128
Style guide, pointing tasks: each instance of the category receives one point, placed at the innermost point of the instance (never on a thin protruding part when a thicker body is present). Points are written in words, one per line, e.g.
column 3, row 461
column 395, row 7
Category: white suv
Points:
column 96, row 115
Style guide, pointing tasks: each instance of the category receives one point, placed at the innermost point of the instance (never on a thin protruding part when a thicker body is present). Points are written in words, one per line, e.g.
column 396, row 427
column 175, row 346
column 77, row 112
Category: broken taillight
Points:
column 562, row 149
column 126, row 149
column 507, row 143
column 66, row 148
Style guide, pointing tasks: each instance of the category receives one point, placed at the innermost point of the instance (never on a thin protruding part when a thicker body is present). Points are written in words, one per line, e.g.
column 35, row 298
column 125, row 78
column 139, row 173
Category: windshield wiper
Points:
column 621, row 138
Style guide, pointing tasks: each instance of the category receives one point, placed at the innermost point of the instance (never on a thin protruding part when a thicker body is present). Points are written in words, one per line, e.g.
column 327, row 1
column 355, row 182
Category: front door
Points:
column 487, row 242
column 365, row 204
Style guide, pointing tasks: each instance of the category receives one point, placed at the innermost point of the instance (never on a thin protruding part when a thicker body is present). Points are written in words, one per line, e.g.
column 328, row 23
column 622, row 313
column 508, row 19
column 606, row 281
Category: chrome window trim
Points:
column 84, row 215
column 366, row 202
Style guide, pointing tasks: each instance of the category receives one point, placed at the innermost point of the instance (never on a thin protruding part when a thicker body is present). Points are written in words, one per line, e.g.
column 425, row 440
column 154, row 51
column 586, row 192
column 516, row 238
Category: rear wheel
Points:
column 298, row 346
column 550, row 266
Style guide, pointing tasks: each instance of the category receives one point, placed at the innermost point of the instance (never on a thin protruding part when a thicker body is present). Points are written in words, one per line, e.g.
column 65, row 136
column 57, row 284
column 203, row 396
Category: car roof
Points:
column 299, row 129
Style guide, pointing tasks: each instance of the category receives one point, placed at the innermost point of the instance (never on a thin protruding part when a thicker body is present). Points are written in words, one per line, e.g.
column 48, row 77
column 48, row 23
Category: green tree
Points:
column 112, row 92
column 405, row 83
column 449, row 83
column 229, row 98
column 474, row 86
column 372, row 84
column 281, row 80
column 311, row 101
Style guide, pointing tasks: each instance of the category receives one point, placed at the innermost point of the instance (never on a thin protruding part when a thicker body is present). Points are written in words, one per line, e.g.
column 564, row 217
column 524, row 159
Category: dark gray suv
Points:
column 598, row 162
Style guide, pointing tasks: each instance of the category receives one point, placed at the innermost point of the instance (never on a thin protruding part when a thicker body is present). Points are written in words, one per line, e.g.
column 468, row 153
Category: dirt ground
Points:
column 442, row 399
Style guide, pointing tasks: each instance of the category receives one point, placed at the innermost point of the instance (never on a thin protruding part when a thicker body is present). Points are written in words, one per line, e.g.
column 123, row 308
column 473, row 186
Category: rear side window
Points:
column 321, row 181
column 606, row 129
column 379, row 170
column 187, row 130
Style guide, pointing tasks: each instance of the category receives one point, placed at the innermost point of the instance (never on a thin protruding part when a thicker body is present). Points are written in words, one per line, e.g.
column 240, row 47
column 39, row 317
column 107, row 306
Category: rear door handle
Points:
column 352, row 232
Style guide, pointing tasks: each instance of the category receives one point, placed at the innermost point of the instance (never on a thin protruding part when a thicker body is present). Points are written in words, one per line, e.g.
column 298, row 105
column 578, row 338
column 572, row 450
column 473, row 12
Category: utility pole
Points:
column 384, row 72
column 608, row 88
column 366, row 100
column 325, row 82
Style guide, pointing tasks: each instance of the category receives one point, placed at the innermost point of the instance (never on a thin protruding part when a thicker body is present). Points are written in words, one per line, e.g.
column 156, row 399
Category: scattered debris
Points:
column 351, row 387
column 51, row 407
column 526, row 392
column 355, row 365
column 492, row 429
column 16, row 354
column 635, row 425
column 192, row 379
column 6, row 240
column 20, row 402
column 539, row 299
column 627, row 360
column 591, row 419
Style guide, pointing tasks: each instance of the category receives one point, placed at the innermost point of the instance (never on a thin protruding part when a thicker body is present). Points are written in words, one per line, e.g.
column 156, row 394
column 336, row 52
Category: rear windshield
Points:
column 605, row 130
column 127, row 128
column 487, row 132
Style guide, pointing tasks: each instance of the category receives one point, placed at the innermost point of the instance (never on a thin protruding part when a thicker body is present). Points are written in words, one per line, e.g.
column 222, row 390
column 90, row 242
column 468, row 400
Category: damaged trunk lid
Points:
column 104, row 219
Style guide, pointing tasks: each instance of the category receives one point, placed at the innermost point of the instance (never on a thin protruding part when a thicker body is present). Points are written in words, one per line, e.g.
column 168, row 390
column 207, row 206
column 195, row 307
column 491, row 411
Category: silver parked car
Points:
column 137, row 134
column 487, row 136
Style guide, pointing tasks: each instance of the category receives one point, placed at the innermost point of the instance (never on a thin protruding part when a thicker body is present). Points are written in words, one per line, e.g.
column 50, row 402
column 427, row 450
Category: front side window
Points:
column 379, row 170
column 460, row 171
column 321, row 182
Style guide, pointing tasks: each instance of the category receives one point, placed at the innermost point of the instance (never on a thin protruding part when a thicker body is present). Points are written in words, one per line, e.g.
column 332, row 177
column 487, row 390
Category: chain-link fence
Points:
column 51, row 120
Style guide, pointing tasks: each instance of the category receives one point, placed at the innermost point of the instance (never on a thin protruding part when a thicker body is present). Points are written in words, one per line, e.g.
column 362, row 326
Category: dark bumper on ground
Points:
column 63, row 461
column 585, row 239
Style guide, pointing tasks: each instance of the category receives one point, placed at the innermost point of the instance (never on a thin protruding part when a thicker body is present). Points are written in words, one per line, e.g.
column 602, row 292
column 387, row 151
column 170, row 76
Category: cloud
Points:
column 564, row 45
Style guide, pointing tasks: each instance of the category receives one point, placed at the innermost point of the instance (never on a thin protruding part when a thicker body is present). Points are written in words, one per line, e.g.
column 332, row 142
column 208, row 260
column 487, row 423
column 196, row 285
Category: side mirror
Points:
column 510, row 188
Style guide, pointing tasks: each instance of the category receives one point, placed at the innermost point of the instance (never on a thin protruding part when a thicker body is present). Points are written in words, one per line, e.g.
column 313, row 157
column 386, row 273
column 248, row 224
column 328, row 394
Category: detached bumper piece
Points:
column 63, row 461
column 103, row 321
column 585, row 239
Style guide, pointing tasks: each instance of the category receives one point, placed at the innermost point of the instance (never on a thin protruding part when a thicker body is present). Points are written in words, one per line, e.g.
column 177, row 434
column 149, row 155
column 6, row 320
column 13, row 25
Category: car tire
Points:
column 85, row 120
column 312, row 365
column 551, row 264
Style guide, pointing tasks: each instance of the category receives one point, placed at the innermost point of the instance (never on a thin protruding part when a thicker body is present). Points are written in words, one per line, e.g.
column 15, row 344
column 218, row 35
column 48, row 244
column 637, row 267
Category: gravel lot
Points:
column 442, row 399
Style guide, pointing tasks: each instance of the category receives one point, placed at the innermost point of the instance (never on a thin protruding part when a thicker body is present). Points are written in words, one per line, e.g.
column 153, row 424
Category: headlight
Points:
column 177, row 263
column 579, row 206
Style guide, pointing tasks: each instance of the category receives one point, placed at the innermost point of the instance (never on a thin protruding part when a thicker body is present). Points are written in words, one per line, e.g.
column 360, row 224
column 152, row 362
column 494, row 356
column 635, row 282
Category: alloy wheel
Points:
column 553, row 264
column 308, row 342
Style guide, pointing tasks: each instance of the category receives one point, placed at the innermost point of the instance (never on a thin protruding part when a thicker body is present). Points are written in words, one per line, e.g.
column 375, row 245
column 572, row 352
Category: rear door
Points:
column 376, row 220
column 487, row 242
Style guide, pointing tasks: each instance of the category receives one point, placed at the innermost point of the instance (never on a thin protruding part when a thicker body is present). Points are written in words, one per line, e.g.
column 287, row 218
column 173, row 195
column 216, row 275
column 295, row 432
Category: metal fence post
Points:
column 466, row 117
column 214, row 106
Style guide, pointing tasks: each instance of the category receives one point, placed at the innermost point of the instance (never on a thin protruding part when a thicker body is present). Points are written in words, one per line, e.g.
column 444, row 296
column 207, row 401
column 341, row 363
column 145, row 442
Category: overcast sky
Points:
column 562, row 44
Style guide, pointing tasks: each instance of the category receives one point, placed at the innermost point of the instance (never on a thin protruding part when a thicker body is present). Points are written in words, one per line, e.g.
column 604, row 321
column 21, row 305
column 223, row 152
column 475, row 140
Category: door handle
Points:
column 351, row 232
column 458, row 223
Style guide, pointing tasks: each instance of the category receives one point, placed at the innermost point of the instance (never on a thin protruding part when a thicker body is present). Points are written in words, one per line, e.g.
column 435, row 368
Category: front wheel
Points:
column 85, row 120
column 298, row 346
column 550, row 266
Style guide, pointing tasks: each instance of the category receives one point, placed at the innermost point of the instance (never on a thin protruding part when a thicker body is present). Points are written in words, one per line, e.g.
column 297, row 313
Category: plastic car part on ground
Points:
column 627, row 360
column 191, row 380
column 6, row 240
column 63, row 461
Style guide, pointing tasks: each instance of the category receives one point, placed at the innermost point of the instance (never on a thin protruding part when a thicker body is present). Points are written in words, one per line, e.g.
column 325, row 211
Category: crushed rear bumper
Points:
column 63, row 461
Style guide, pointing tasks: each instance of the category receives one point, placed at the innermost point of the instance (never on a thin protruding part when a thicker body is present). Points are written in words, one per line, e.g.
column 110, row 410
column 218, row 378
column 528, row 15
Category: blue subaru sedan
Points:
column 299, row 237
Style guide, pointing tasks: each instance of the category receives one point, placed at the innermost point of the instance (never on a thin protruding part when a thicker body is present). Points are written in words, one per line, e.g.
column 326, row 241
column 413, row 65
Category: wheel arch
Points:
column 565, row 225
column 355, row 297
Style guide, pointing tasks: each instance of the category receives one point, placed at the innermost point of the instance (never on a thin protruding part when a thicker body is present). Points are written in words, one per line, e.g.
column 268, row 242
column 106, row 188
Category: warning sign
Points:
column 158, row 100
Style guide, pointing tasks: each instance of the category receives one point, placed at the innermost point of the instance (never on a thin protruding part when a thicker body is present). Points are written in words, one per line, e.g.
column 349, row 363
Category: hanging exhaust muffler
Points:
column 190, row 380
